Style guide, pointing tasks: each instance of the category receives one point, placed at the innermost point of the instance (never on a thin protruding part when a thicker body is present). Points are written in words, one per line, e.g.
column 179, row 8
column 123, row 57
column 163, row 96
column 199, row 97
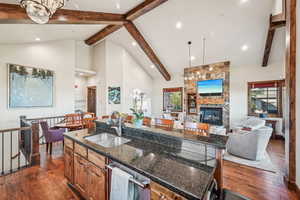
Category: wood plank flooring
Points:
column 258, row 184
column 48, row 183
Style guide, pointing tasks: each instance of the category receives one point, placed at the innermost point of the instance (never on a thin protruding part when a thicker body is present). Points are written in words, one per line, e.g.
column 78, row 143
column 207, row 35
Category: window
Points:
column 172, row 99
column 265, row 98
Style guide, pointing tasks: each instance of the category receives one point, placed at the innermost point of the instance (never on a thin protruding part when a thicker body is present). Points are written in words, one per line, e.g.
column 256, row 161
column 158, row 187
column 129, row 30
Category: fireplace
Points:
column 211, row 115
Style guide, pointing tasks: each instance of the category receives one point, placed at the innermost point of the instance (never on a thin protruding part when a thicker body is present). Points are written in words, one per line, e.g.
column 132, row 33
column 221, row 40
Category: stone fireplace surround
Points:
column 209, row 72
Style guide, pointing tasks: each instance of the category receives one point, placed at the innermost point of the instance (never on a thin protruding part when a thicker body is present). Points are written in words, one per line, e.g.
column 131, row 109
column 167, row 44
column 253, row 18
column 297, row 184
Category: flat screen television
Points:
column 210, row 87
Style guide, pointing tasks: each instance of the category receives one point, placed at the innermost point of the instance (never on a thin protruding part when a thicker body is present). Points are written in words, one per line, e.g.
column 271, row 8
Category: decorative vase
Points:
column 138, row 123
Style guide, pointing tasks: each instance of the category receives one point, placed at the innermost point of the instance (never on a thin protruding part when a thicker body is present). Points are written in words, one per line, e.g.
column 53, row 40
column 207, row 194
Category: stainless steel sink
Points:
column 107, row 140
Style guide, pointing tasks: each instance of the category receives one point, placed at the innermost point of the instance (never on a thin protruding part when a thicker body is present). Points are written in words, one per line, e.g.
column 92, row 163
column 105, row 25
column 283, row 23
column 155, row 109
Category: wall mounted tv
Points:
column 210, row 87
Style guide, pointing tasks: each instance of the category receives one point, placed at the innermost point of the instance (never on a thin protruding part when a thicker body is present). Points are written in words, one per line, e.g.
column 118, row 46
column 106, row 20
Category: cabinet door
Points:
column 97, row 183
column 69, row 165
column 81, row 174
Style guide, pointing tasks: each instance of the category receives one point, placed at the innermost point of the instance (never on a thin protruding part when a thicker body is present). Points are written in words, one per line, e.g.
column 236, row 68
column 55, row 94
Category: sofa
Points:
column 249, row 139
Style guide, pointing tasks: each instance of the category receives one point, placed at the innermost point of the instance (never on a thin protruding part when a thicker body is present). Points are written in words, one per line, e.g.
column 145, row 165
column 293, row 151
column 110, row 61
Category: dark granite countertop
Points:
column 184, row 172
column 218, row 141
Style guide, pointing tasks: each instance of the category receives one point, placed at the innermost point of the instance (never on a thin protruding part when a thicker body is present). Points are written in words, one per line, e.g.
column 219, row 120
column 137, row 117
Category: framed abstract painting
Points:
column 29, row 87
column 114, row 95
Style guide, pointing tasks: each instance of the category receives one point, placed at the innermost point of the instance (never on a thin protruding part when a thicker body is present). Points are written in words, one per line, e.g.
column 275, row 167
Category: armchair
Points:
column 249, row 144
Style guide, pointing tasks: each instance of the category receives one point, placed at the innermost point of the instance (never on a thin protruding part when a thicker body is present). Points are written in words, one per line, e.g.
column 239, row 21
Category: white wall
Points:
column 83, row 56
column 98, row 63
column 56, row 56
column 135, row 77
column 114, row 73
column 277, row 7
column 116, row 68
column 81, row 84
column 298, row 100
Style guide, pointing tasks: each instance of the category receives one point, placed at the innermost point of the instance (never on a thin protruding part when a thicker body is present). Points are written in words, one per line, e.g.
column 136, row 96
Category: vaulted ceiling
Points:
column 235, row 30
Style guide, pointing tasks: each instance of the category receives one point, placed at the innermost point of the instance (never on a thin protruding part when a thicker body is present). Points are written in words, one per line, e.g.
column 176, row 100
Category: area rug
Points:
column 264, row 164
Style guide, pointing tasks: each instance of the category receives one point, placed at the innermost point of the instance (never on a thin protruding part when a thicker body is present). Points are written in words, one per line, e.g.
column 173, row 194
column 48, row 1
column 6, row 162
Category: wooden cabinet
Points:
column 69, row 143
column 69, row 164
column 81, row 174
column 159, row 192
column 96, row 183
column 85, row 170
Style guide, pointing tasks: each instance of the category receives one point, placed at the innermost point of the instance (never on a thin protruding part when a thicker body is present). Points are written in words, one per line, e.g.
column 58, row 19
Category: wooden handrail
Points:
column 15, row 129
column 41, row 118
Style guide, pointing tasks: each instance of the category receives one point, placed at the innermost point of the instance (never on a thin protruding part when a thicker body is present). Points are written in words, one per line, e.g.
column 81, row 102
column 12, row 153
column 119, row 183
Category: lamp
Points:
column 40, row 11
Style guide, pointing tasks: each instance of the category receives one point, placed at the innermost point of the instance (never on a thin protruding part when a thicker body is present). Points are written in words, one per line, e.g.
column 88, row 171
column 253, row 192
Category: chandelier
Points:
column 189, row 74
column 40, row 11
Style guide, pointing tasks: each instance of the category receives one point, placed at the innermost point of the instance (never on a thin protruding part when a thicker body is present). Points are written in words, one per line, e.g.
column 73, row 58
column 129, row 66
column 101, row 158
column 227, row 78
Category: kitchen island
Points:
column 178, row 167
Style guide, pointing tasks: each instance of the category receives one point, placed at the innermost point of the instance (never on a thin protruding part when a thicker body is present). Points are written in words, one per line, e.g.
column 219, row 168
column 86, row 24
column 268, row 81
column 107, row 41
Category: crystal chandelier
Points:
column 40, row 11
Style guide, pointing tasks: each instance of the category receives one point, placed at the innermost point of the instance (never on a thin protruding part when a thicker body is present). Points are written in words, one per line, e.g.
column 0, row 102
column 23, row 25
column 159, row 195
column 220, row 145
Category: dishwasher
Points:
column 141, row 182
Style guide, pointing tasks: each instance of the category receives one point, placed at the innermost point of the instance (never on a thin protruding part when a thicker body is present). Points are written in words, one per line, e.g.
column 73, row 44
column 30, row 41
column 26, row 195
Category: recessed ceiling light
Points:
column 134, row 44
column 193, row 58
column 244, row 47
column 37, row 39
column 243, row 1
column 152, row 66
column 179, row 25
column 118, row 5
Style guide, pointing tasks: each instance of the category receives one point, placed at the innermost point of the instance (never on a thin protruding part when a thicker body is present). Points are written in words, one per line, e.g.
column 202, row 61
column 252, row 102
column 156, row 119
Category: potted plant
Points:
column 137, row 109
column 138, row 117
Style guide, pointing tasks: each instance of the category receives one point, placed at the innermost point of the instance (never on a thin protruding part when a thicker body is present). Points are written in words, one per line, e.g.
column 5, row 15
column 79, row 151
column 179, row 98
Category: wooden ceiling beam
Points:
column 135, row 33
column 102, row 34
column 15, row 14
column 134, row 13
column 270, row 37
column 143, row 8
column 274, row 24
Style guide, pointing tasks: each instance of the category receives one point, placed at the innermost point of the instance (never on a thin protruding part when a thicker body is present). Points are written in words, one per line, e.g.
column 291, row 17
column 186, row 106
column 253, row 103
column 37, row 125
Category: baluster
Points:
column 205, row 154
column 11, row 151
column 19, row 142
column 2, row 153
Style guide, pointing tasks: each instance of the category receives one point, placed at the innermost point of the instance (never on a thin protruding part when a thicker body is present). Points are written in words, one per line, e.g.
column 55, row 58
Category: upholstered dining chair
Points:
column 105, row 117
column 129, row 119
column 89, row 122
column 88, row 115
column 147, row 121
column 165, row 124
column 203, row 129
column 191, row 128
column 51, row 135
column 73, row 118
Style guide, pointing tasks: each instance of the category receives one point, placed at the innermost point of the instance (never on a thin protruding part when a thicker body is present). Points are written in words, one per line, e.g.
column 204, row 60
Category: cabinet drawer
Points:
column 69, row 143
column 162, row 193
column 81, row 150
column 96, row 158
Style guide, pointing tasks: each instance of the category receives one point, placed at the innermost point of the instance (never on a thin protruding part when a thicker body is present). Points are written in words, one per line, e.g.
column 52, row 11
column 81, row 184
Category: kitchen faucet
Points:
column 118, row 125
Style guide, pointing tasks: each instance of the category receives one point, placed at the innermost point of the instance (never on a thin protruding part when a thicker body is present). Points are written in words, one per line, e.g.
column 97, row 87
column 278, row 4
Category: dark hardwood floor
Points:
column 48, row 183
column 39, row 183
